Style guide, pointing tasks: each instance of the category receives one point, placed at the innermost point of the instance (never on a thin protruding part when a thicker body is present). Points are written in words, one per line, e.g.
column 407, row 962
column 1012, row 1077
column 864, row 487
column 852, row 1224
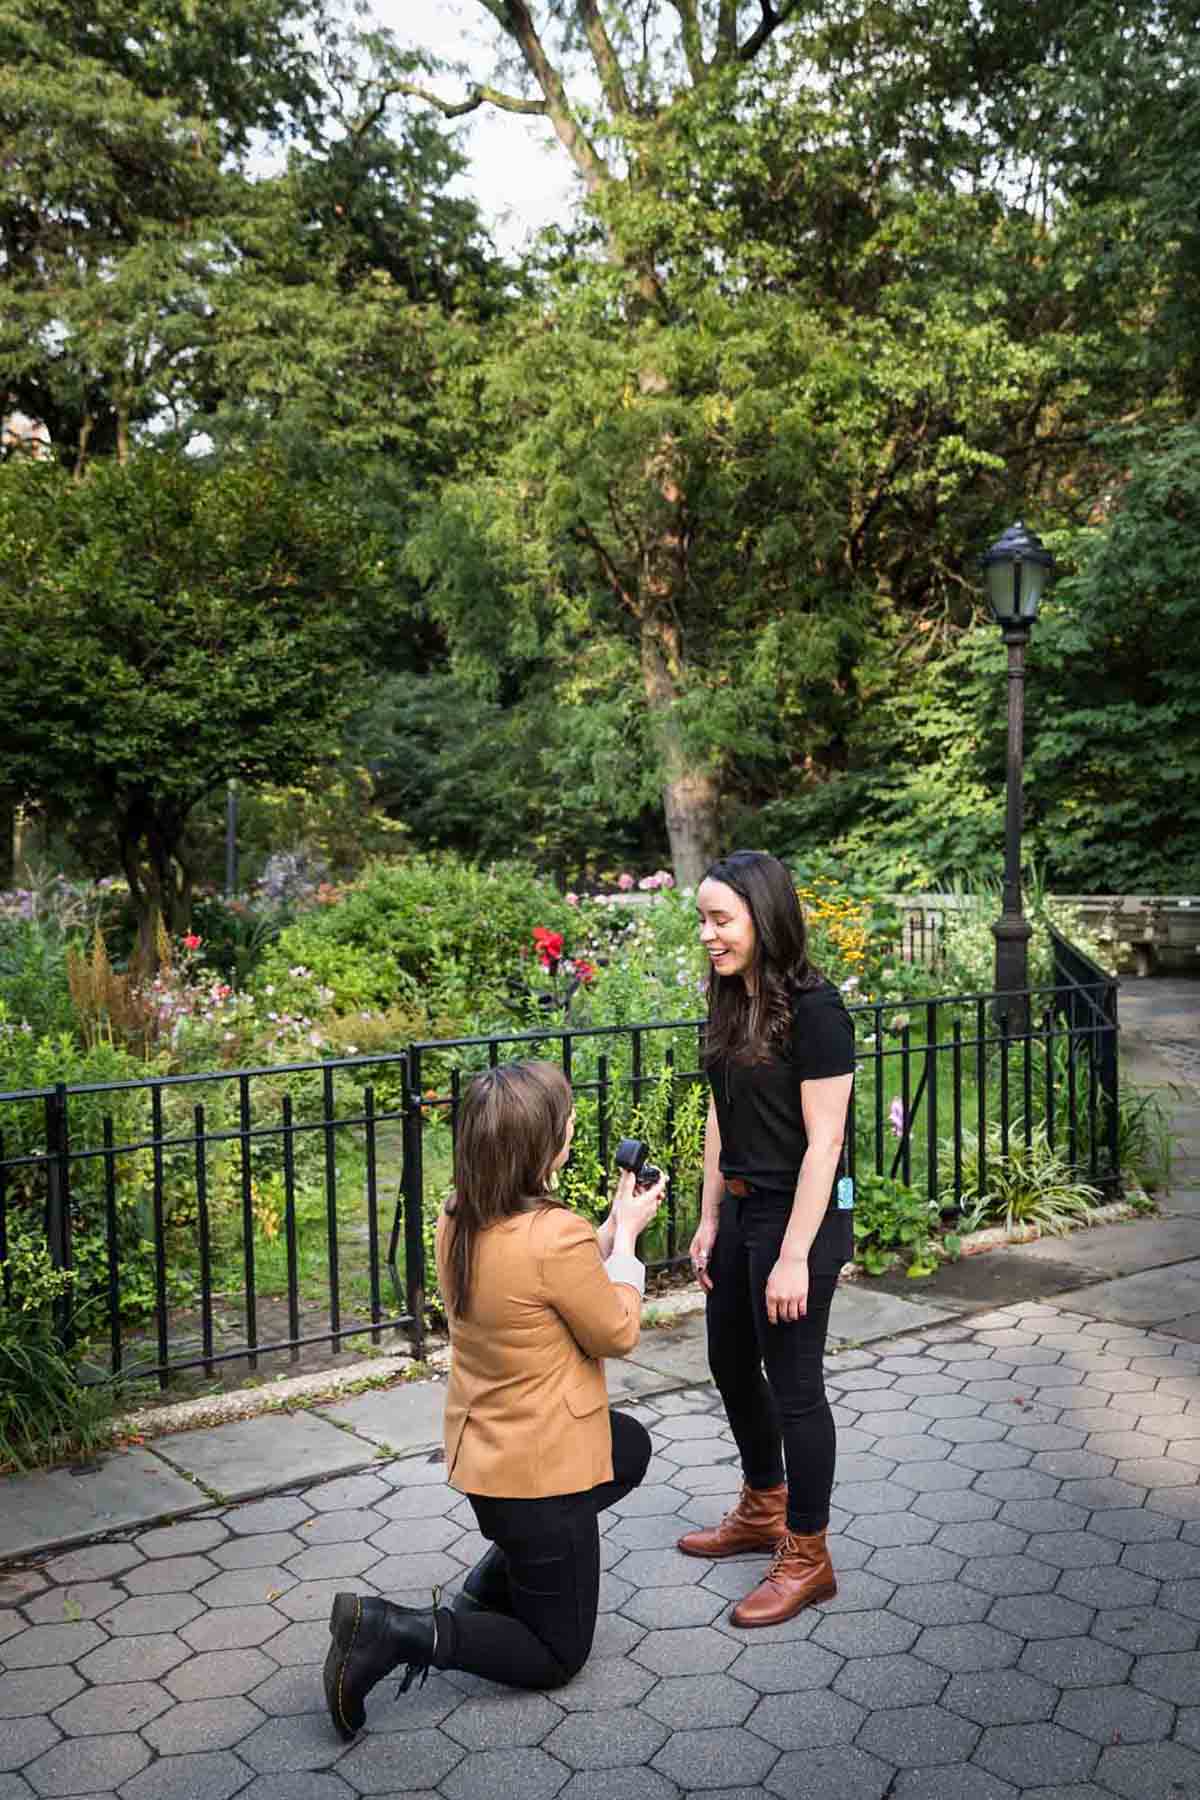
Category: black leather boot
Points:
column 486, row 1587
column 371, row 1638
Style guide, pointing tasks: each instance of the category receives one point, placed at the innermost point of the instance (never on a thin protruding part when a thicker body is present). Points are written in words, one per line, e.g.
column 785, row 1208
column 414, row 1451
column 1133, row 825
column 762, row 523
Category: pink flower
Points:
column 571, row 899
column 624, row 882
column 585, row 971
column 192, row 942
column 896, row 1117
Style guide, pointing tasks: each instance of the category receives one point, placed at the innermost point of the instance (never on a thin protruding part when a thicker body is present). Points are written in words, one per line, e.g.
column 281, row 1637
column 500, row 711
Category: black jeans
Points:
column 772, row 1377
column 552, row 1554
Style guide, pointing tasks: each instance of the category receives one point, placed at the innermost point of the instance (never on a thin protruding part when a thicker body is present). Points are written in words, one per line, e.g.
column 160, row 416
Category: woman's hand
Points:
column 634, row 1207
column 700, row 1250
column 787, row 1290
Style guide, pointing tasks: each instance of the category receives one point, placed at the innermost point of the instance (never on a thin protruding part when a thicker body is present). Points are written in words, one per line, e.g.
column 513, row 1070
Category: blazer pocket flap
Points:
column 586, row 1396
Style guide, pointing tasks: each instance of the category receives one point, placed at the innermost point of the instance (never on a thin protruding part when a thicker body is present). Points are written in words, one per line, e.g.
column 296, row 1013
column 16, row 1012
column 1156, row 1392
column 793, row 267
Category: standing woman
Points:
column 536, row 1297
column 775, row 1223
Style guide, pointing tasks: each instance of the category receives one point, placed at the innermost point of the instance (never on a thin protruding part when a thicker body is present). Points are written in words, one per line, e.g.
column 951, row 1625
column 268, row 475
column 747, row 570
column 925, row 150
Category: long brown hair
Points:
column 745, row 1027
column 510, row 1129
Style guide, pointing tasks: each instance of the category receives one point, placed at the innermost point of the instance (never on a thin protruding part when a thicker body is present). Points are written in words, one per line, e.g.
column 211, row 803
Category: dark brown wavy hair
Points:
column 510, row 1129
column 745, row 1027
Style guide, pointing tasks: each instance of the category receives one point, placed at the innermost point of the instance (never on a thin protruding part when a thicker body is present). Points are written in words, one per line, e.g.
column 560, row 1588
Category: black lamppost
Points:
column 1016, row 568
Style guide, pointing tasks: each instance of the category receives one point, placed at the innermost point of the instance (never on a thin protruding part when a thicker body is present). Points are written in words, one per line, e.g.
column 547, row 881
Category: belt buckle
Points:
column 741, row 1190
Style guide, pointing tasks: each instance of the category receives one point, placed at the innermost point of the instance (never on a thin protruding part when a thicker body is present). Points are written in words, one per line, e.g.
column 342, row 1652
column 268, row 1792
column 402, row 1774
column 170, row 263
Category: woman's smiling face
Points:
column 726, row 928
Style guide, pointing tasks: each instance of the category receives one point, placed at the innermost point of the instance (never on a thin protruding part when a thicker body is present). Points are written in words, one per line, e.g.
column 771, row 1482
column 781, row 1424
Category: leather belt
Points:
column 739, row 1188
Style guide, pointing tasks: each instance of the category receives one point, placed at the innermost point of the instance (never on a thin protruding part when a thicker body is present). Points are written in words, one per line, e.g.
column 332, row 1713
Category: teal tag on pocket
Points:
column 845, row 1193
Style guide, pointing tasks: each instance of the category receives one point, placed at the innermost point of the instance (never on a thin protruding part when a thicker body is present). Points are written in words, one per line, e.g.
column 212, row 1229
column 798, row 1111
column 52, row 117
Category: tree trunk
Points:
column 8, row 843
column 690, row 791
column 159, row 885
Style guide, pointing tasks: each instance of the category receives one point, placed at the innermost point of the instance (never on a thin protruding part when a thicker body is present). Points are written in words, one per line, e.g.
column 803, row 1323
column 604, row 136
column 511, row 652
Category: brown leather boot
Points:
column 757, row 1522
column 801, row 1575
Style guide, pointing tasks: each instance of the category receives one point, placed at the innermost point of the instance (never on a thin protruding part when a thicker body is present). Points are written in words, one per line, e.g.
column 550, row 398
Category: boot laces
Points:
column 416, row 1671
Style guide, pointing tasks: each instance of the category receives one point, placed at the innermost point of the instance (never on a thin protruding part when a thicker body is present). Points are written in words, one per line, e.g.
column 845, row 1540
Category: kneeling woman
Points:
column 536, row 1297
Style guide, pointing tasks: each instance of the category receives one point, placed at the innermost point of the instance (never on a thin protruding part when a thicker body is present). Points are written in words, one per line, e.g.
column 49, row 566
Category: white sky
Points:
column 519, row 173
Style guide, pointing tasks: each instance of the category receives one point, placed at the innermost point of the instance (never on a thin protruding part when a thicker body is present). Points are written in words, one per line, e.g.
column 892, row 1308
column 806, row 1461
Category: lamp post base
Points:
column 1012, row 932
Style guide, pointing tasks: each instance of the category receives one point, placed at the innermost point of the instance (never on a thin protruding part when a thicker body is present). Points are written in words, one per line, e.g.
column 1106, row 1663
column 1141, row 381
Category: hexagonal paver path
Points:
column 1017, row 1531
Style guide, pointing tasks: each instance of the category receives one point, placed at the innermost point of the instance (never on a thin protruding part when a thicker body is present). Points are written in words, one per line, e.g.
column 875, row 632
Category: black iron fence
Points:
column 234, row 1216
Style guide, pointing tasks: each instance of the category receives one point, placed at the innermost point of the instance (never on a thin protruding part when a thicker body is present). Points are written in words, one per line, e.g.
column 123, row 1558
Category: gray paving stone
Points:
column 151, row 1613
column 892, row 1530
column 933, row 1477
column 915, row 1565
column 1081, row 1464
column 894, row 1680
column 233, row 1628
column 24, row 1738
column 185, row 1538
column 661, row 1608
column 1043, row 1515
column 605, row 1682
column 169, row 1575
column 306, row 1741
column 88, row 1765
column 909, row 1446
column 616, row 1635
column 1164, row 1561
column 687, row 1701
column 93, row 1562
column 1150, row 1771
column 655, row 1497
column 1016, row 1484
column 504, row 1775
column 870, row 1496
column 262, row 1549
column 963, row 1783
column 218, row 1673
column 1008, row 1575
column 1134, row 1525
column 1102, row 1494
column 1173, row 1675
column 1034, row 1616
column 134, row 1658
column 962, row 1648
column 624, row 1736
column 282, row 1512
column 44, row 1646
column 1075, row 1662
column 1033, row 1756
column 245, row 1587
column 1145, row 1632
column 686, row 1651
column 833, row 1774
column 503, row 1721
column 345, row 1525
column 427, row 1704
column 1125, row 1444
column 305, row 1785
column 722, row 1756
column 1073, row 1549
column 1107, row 1587
column 915, row 1735
column 858, row 1591
column 957, row 1507
column 1049, row 1437
column 1157, row 1472
column 64, row 1605
column 661, row 1568
column 942, row 1603
column 14, row 1787
column 629, row 1784
column 305, row 1642
column 1179, row 1596
column 869, row 1633
column 1112, row 1715
column 658, row 1531
column 211, row 1775
column 825, row 1718
column 313, row 1599
column 785, row 1668
column 24, row 1692
column 119, row 1706
column 1000, row 1697
column 981, row 1538
column 192, row 1725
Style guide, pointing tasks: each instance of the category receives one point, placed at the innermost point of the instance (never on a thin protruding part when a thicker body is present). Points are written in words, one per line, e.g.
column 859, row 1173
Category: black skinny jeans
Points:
column 772, row 1377
column 551, row 1549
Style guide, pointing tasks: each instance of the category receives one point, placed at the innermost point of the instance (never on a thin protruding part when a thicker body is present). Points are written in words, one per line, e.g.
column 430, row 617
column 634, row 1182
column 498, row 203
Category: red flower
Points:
column 549, row 946
column 192, row 942
column 585, row 971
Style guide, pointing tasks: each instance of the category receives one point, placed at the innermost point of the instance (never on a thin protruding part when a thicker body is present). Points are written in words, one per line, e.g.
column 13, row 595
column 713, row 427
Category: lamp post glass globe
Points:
column 1016, row 569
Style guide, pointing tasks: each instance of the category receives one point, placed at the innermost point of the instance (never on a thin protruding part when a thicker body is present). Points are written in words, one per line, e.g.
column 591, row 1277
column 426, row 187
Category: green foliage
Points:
column 1143, row 1137
column 47, row 1412
column 1030, row 1184
column 890, row 1220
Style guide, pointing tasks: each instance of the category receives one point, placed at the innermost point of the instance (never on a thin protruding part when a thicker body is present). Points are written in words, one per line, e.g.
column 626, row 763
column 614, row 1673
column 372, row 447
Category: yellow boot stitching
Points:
column 345, row 1660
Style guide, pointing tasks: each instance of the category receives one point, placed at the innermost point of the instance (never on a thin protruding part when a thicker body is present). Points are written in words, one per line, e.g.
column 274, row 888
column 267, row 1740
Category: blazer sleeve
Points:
column 603, row 1316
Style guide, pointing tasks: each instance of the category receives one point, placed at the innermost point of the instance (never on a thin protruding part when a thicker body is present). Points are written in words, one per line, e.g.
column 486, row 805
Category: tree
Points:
column 165, row 626
column 808, row 335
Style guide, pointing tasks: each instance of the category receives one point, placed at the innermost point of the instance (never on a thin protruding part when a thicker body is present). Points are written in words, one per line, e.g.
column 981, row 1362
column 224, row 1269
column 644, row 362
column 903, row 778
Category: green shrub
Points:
column 1030, row 1184
column 892, row 1219
column 47, row 1413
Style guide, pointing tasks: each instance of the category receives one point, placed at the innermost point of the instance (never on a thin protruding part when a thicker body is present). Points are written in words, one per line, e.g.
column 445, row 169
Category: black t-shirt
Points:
column 763, row 1139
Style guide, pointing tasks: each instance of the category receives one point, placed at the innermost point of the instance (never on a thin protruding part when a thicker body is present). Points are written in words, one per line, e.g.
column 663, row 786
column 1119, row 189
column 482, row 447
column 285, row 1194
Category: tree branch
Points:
column 727, row 31
column 515, row 19
column 583, row 534
column 612, row 79
column 693, row 43
column 450, row 109
column 772, row 18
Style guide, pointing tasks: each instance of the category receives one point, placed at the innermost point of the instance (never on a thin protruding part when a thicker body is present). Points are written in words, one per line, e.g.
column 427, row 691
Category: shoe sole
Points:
column 764, row 1549
column 343, row 1629
column 826, row 1593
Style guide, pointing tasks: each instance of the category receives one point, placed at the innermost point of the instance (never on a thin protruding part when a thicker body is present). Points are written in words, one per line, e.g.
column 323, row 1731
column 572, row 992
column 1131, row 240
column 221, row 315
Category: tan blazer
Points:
column 527, row 1404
